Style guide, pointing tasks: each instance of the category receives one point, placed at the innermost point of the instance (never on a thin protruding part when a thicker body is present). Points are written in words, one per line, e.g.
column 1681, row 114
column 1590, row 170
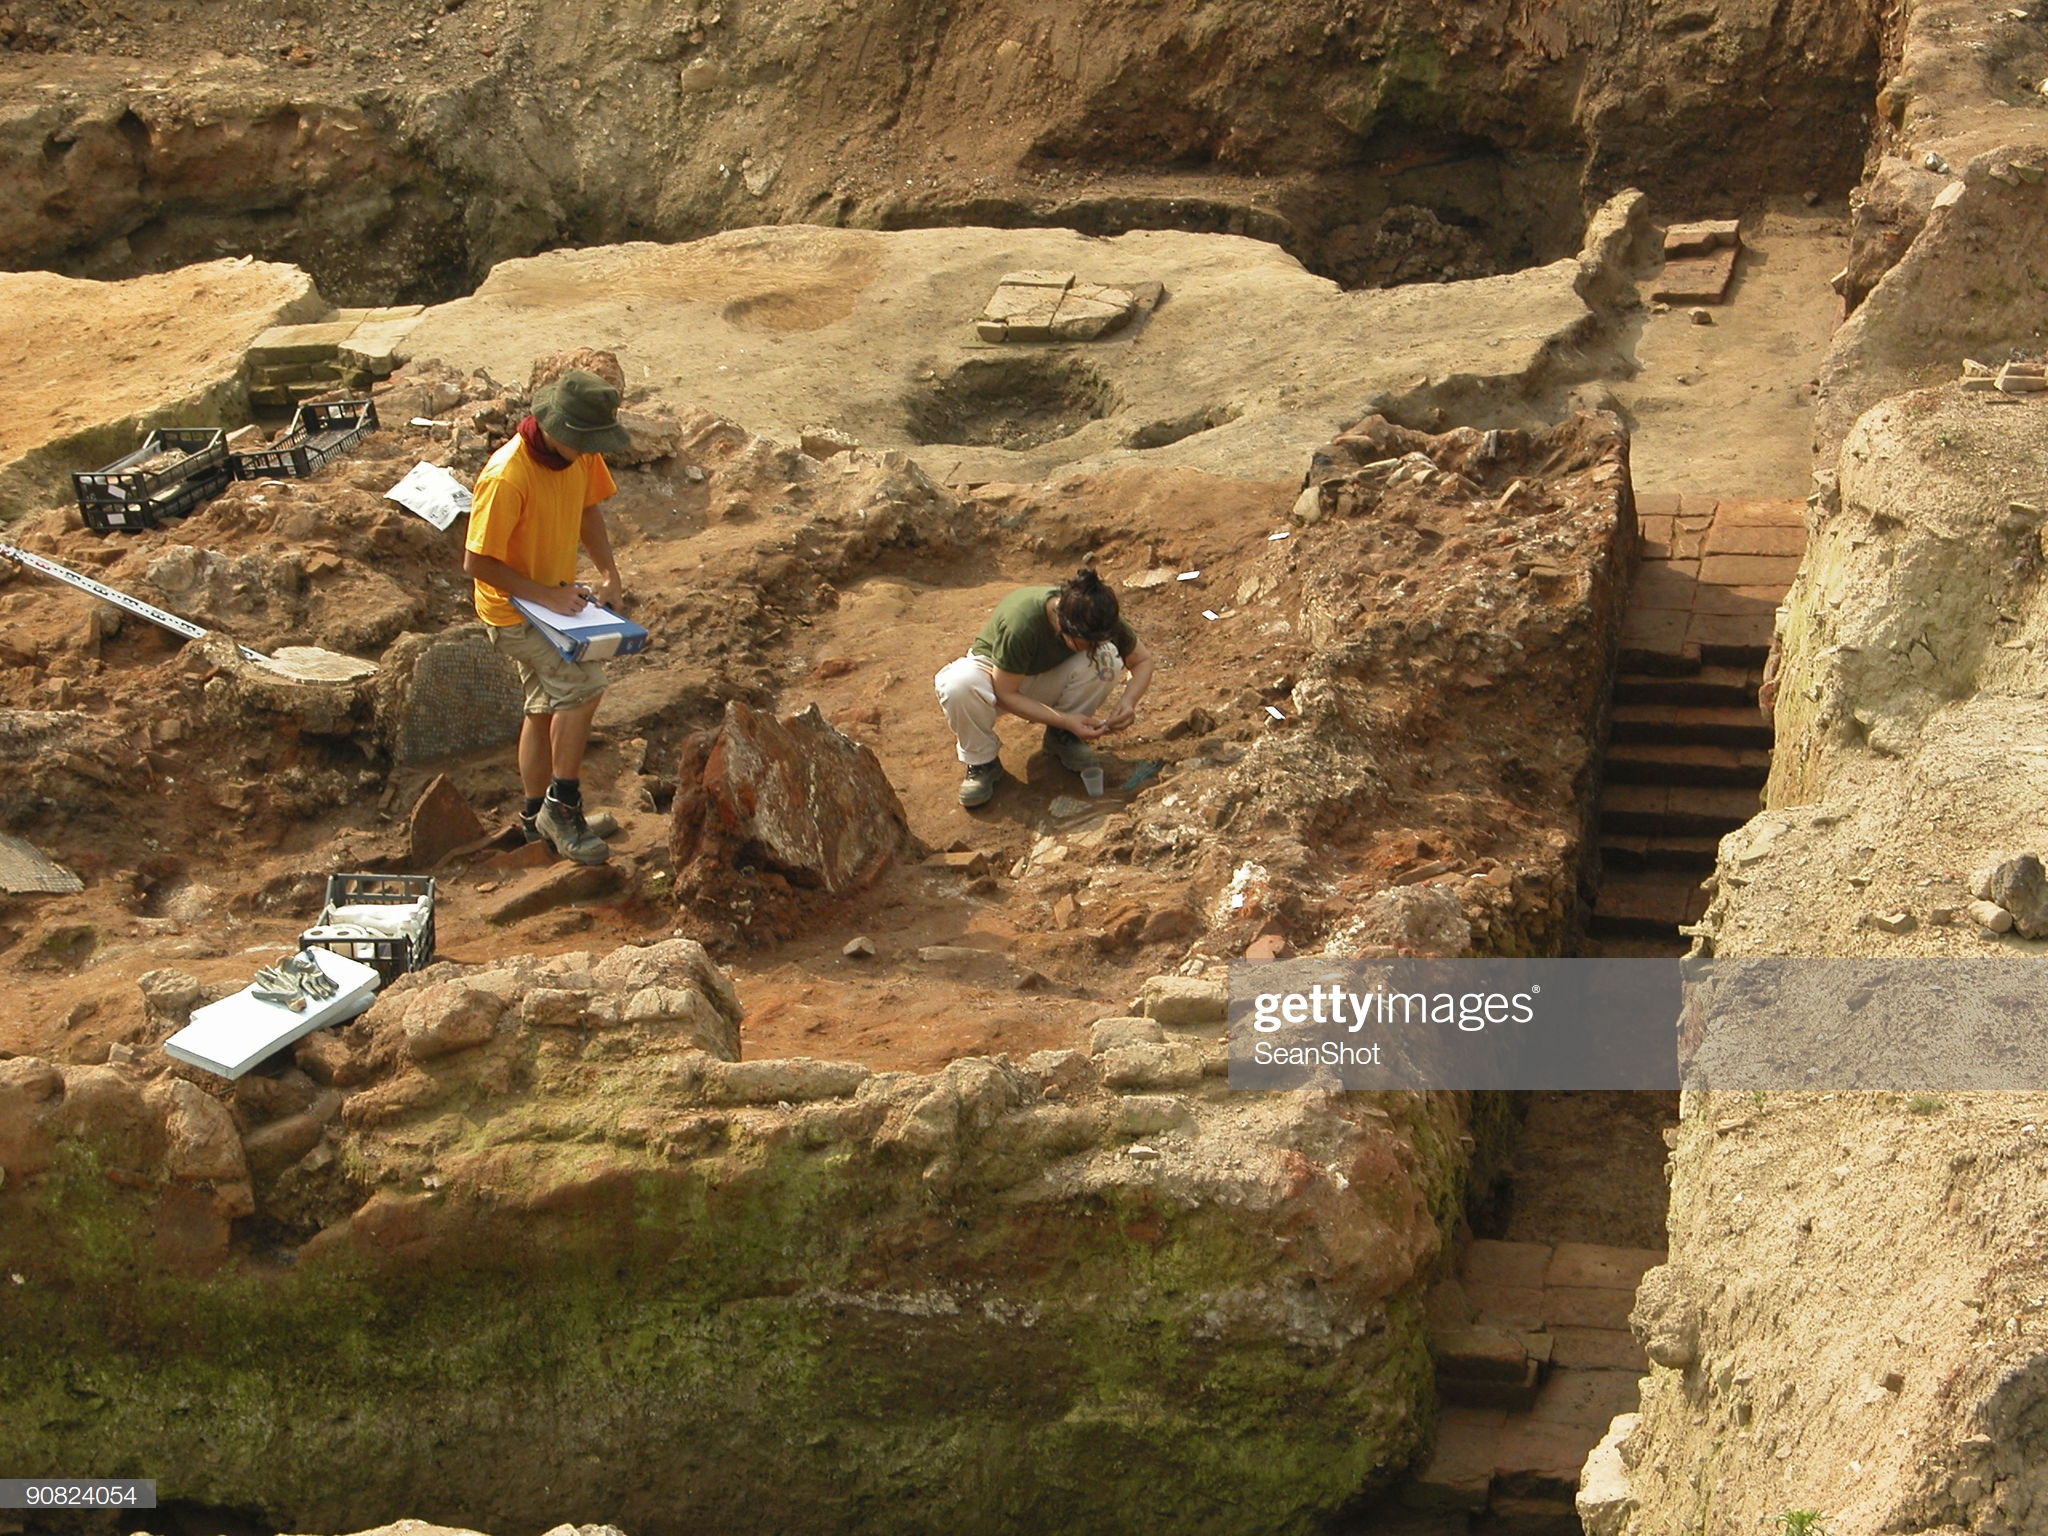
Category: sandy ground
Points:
column 1726, row 409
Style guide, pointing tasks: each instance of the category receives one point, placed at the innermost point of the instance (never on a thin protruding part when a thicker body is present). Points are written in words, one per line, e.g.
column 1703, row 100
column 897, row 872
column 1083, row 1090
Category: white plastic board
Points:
column 231, row 1036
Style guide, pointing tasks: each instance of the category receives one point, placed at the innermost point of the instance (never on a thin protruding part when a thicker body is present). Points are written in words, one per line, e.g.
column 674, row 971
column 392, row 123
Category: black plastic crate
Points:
column 153, row 511
column 121, row 485
column 318, row 432
column 391, row 957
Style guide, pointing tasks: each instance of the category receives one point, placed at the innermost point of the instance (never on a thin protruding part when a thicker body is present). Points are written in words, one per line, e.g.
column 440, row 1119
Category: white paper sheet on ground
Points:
column 231, row 1036
column 433, row 493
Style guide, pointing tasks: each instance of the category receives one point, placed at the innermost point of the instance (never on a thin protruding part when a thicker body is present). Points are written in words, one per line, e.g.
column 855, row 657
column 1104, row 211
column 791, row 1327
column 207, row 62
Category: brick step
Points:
column 1719, row 725
column 1631, row 855
column 1642, row 762
column 1655, row 902
column 1655, row 809
column 1736, row 653
column 1704, row 685
column 1656, row 662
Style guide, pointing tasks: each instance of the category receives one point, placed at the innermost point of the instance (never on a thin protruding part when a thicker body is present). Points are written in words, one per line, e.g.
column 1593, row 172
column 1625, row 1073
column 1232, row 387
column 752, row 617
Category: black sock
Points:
column 533, row 805
column 566, row 792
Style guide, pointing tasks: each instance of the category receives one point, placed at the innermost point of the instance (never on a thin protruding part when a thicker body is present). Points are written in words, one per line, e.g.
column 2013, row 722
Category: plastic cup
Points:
column 1091, row 780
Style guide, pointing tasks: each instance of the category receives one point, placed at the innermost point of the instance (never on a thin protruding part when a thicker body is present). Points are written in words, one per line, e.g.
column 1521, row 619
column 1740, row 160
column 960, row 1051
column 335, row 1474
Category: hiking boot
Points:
column 979, row 787
column 1072, row 752
column 603, row 824
column 563, row 828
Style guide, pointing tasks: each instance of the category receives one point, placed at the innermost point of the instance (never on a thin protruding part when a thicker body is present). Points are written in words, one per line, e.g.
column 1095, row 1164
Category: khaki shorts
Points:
column 551, row 681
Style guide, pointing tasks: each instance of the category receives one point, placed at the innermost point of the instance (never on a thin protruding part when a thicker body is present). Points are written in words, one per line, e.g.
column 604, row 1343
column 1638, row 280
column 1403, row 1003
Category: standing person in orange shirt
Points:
column 536, row 502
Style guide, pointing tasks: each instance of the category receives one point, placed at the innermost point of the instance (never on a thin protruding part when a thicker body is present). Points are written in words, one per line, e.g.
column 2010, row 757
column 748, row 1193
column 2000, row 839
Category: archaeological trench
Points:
column 834, row 1159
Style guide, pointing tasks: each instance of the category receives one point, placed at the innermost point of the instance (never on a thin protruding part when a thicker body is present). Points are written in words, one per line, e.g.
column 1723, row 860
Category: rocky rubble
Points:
column 1424, row 573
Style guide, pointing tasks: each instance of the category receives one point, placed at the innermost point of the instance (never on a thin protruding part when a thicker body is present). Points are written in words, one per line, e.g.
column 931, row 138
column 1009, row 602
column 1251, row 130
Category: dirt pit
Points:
column 1011, row 402
column 1321, row 756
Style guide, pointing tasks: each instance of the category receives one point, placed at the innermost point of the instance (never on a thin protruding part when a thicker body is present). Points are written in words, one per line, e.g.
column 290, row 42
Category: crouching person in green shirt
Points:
column 1050, row 654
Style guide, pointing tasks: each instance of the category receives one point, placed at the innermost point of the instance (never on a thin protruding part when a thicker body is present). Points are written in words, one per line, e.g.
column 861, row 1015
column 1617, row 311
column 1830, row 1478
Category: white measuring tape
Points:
column 134, row 605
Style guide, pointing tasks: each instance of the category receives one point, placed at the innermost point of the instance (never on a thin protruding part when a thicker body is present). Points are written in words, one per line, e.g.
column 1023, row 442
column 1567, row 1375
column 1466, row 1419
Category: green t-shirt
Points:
column 1019, row 638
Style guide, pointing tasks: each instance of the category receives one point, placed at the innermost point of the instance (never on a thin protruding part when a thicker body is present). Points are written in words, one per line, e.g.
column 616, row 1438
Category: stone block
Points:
column 1665, row 584
column 1487, row 1262
column 378, row 347
column 1146, row 1114
column 1587, row 1398
column 1480, row 1354
column 1507, row 1306
column 1734, row 602
column 1749, row 570
column 1598, row 1265
column 1654, row 631
column 1538, row 1458
column 1699, row 236
column 557, row 886
column 1111, row 1034
column 1128, row 1068
column 1459, row 1475
column 316, row 343
column 1599, row 1349
column 1773, row 539
column 1578, row 1306
column 1729, row 631
column 793, row 1080
column 1184, row 1001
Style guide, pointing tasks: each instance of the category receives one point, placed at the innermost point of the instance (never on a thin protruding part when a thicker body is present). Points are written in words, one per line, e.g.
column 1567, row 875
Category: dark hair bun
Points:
column 1088, row 607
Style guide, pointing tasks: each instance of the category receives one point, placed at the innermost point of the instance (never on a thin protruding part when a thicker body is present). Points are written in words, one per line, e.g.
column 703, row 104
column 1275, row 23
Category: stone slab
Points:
column 1603, row 1349
column 1660, row 631
column 1763, row 512
column 316, row 343
column 1749, row 570
column 1536, row 1456
column 1506, row 1306
column 1696, row 279
column 1731, row 538
column 1657, row 504
column 1480, row 1354
column 1723, row 632
column 1697, row 237
column 1460, row 1470
column 1583, row 1306
column 1600, row 1265
column 1737, row 600
column 1664, row 584
column 1488, row 1262
column 1588, row 1399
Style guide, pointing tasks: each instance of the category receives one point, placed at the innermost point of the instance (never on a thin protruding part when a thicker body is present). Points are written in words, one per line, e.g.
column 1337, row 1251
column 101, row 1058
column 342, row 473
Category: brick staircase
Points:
column 1534, row 1357
column 1688, row 752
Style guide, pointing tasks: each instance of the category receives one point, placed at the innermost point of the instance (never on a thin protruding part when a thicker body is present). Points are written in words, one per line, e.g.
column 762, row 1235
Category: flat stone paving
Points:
column 1569, row 1301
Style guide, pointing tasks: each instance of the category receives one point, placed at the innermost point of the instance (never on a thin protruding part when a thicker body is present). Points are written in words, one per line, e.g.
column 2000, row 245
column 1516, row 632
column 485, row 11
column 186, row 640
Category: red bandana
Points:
column 546, row 457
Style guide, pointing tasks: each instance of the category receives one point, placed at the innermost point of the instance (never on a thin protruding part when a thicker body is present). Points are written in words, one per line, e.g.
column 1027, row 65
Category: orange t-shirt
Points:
column 531, row 517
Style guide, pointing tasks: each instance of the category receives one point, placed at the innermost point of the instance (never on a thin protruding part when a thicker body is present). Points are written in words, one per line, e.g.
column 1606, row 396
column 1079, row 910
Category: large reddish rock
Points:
column 766, row 808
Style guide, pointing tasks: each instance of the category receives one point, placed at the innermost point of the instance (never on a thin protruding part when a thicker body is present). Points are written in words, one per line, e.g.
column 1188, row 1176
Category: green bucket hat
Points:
column 581, row 411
